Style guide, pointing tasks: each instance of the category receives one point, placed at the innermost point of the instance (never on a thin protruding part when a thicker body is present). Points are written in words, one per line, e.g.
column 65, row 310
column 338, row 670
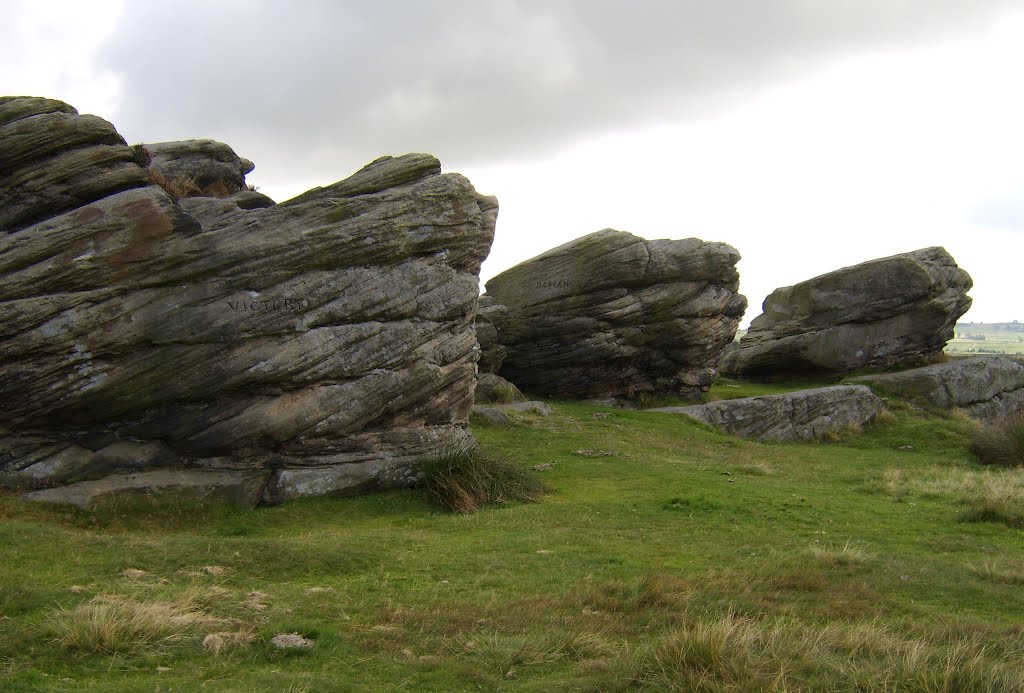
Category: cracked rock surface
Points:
column 325, row 343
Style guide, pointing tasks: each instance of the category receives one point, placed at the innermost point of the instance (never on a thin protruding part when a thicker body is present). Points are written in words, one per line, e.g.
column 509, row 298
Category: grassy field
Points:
column 680, row 560
column 987, row 338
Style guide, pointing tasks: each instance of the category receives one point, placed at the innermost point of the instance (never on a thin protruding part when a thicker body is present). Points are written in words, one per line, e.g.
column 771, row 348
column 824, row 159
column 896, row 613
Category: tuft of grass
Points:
column 141, row 155
column 993, row 510
column 1001, row 444
column 114, row 624
column 216, row 643
column 464, row 479
column 504, row 394
column 972, row 486
column 650, row 593
column 177, row 187
column 847, row 554
column 710, row 653
column 996, row 571
column 842, row 434
column 692, row 504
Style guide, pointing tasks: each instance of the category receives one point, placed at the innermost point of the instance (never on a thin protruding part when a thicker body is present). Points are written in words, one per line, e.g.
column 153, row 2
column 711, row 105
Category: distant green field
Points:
column 988, row 338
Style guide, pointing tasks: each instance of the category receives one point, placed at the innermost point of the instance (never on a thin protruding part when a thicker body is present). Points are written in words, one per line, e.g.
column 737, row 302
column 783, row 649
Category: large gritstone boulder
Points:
column 988, row 388
column 878, row 313
column 320, row 345
column 614, row 315
column 793, row 416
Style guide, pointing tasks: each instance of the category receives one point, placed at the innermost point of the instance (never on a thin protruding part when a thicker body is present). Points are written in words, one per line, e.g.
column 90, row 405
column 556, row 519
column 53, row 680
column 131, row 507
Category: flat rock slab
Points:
column 793, row 416
column 988, row 388
column 243, row 487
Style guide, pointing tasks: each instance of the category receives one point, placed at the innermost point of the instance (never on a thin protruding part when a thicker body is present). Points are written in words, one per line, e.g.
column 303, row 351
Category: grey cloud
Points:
column 320, row 87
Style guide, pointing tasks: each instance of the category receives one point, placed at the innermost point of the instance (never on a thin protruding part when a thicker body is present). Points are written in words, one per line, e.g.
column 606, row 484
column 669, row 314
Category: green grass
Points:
column 1001, row 443
column 993, row 338
column 687, row 561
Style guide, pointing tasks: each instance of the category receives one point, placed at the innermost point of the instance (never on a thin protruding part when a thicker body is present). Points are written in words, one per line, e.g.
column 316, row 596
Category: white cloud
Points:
column 48, row 48
column 808, row 135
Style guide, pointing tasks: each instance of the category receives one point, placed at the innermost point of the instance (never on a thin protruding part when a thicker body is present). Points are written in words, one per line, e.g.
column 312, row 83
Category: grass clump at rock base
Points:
column 464, row 479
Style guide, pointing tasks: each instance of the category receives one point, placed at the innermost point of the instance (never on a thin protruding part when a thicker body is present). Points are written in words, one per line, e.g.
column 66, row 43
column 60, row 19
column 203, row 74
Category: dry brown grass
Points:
column 112, row 624
column 179, row 187
column 961, row 483
column 710, row 653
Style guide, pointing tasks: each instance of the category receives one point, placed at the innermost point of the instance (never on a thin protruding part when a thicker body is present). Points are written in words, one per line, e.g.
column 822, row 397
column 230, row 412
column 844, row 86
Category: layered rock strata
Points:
column 988, row 388
column 877, row 313
column 614, row 315
column 803, row 415
column 320, row 345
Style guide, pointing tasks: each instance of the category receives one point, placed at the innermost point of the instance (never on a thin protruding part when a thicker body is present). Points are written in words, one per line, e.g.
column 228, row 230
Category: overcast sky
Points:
column 809, row 134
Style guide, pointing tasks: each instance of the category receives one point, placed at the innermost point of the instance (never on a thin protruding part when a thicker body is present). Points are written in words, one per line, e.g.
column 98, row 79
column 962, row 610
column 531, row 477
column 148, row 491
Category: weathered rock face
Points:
column 53, row 160
column 325, row 343
column 204, row 162
column 877, row 313
column 611, row 314
column 986, row 387
column 792, row 416
column 489, row 316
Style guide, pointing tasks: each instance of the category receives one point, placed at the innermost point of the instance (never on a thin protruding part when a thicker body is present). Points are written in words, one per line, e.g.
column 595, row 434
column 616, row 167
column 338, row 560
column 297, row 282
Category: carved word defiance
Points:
column 557, row 284
column 265, row 305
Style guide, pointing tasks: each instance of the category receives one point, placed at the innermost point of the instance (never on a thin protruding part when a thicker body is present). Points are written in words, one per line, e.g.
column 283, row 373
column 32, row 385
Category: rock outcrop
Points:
column 793, row 416
column 324, row 344
column 204, row 162
column 611, row 314
column 988, row 388
column 878, row 313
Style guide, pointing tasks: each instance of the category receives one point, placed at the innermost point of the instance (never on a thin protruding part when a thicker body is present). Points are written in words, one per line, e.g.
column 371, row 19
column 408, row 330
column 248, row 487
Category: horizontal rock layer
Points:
column 793, row 416
column 878, row 313
column 327, row 341
column 611, row 314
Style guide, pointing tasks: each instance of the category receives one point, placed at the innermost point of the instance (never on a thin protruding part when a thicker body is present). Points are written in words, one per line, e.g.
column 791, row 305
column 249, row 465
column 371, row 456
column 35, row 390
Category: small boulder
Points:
column 492, row 415
column 492, row 388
